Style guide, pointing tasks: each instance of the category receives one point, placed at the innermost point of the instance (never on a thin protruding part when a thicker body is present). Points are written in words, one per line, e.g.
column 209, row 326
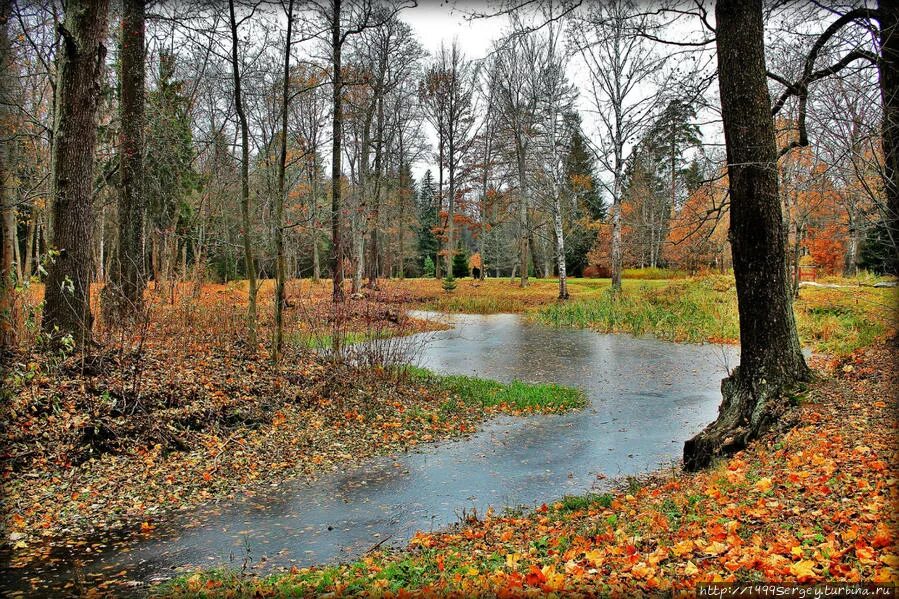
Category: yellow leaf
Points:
column 716, row 548
column 764, row 484
column 640, row 570
column 803, row 570
column 683, row 548
column 512, row 560
column 890, row 560
column 595, row 557
column 691, row 569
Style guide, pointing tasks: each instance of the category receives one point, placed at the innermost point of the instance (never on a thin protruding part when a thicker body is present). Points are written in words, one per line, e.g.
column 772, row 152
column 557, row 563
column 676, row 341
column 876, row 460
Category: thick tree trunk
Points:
column 374, row 263
column 80, row 65
column 451, row 204
column 889, row 90
column 124, row 296
column 771, row 361
column 439, row 194
column 244, row 183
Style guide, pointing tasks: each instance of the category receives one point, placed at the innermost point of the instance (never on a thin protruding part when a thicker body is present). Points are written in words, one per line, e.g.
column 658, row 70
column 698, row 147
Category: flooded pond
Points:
column 645, row 398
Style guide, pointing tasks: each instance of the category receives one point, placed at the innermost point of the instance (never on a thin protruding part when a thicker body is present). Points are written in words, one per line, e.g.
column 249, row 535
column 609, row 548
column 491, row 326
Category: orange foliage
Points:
column 697, row 236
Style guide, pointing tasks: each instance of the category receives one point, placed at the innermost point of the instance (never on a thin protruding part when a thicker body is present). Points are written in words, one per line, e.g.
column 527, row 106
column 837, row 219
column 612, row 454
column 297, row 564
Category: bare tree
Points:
column 280, row 268
column 556, row 96
column 339, row 20
column 889, row 88
column 517, row 92
column 450, row 93
column 249, row 258
column 621, row 65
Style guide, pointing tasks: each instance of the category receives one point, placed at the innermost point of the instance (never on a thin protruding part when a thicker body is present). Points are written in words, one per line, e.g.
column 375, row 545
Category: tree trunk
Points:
column 616, row 244
column 560, row 244
column 280, row 268
column 80, row 65
column 336, row 137
column 7, row 210
column 889, row 91
column 522, row 215
column 30, row 240
column 771, row 361
column 244, row 183
column 439, row 194
column 124, row 296
column 374, row 249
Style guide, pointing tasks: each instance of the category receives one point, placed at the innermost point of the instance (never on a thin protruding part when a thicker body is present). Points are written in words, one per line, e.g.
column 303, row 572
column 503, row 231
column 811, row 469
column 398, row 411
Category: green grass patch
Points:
column 834, row 321
column 519, row 396
column 315, row 341
column 475, row 304
column 678, row 311
column 577, row 503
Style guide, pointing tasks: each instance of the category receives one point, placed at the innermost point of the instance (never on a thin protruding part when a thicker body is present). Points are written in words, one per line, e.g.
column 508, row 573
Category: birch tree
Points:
column 556, row 96
column 621, row 66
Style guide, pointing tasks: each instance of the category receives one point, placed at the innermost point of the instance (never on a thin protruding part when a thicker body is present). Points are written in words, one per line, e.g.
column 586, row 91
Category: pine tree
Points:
column 428, row 244
column 673, row 133
column 428, row 267
column 449, row 283
column 460, row 263
column 587, row 204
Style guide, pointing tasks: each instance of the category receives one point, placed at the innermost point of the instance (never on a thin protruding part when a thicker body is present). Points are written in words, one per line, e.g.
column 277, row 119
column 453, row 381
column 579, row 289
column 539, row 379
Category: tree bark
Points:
column 67, row 308
column 374, row 249
column 771, row 362
column 560, row 243
column 280, row 268
column 125, row 293
column 313, row 185
column 336, row 139
column 889, row 90
column 522, row 213
column 7, row 212
column 30, row 239
column 616, row 243
column 244, row 182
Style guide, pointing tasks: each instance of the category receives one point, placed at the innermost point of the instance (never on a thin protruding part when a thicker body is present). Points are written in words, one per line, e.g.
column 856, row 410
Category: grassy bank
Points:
column 833, row 321
column 811, row 506
column 515, row 396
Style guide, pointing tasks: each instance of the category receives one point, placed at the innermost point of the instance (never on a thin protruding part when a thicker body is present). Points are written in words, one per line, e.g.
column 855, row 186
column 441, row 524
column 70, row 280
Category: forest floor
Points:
column 812, row 505
column 178, row 410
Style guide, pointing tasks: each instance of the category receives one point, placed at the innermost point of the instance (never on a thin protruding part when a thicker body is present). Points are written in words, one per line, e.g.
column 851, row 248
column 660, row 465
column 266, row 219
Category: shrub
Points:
column 449, row 283
column 428, row 267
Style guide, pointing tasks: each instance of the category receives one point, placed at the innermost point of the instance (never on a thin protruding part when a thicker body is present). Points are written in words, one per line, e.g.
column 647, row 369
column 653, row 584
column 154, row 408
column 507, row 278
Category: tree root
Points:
column 749, row 408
